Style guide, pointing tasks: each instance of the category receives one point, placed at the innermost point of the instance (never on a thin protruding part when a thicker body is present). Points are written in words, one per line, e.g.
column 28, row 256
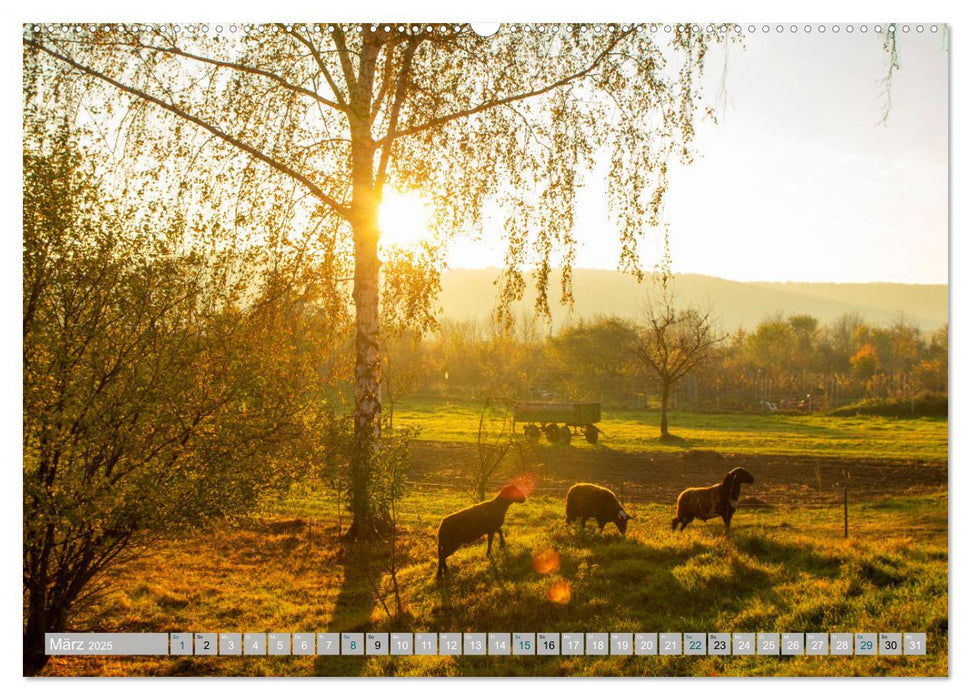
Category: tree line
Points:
column 786, row 362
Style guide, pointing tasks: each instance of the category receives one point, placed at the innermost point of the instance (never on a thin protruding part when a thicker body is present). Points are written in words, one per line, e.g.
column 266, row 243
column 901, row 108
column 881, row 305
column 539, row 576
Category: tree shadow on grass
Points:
column 355, row 601
column 757, row 590
column 353, row 606
column 672, row 439
column 614, row 583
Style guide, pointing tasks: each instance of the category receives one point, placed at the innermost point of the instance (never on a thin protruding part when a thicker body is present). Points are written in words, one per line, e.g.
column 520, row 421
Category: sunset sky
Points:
column 800, row 180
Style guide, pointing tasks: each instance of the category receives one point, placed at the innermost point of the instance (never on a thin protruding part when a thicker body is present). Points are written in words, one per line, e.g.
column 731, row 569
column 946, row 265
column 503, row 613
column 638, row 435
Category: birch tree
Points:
column 511, row 124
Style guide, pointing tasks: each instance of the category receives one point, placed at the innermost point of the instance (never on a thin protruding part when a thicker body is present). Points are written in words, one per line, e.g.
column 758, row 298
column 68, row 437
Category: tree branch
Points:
column 345, row 59
column 399, row 98
column 391, row 136
column 341, row 209
column 341, row 99
column 246, row 69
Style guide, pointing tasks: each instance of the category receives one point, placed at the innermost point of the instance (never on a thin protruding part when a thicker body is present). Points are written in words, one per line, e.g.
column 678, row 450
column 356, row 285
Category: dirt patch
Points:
column 658, row 477
column 702, row 457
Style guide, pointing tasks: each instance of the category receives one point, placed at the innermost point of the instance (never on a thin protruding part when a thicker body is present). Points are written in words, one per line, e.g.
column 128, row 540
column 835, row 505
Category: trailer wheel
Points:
column 532, row 433
column 565, row 435
column 552, row 432
column 591, row 433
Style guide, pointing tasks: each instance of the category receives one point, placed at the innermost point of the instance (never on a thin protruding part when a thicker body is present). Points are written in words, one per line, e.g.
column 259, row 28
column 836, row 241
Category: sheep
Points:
column 711, row 501
column 591, row 501
column 469, row 524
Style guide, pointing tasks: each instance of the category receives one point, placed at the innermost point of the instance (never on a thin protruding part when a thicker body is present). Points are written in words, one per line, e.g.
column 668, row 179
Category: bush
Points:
column 156, row 396
column 920, row 405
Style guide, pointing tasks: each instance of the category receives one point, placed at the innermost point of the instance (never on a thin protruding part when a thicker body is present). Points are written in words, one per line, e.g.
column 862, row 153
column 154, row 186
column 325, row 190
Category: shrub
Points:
column 923, row 404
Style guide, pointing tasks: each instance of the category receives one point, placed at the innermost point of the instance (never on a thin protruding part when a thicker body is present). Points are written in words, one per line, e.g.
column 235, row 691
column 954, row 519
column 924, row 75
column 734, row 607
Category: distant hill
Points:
column 468, row 294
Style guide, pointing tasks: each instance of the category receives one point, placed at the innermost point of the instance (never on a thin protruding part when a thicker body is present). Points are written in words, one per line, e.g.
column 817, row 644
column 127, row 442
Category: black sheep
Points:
column 469, row 524
column 712, row 501
column 591, row 501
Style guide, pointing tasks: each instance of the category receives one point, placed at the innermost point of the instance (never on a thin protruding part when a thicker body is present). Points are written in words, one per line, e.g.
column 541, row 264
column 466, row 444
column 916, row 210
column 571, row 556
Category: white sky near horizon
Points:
column 800, row 180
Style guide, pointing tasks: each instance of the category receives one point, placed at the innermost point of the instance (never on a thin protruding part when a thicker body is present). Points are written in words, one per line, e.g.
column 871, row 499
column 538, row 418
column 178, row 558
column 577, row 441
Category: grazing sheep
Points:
column 591, row 501
column 711, row 501
column 469, row 524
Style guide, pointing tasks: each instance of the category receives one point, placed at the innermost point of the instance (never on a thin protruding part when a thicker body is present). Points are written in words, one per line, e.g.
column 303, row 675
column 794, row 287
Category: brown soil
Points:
column 659, row 477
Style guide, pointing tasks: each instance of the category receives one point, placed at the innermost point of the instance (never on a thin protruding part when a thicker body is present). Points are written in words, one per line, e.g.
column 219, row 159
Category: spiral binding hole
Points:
column 220, row 30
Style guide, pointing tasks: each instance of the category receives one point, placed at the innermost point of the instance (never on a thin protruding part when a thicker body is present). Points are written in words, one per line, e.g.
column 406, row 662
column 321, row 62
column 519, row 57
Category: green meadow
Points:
column 860, row 437
column 784, row 567
column 780, row 569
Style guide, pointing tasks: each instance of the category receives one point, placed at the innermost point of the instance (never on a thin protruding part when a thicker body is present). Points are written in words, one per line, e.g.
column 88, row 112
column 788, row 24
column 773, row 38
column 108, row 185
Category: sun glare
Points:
column 403, row 220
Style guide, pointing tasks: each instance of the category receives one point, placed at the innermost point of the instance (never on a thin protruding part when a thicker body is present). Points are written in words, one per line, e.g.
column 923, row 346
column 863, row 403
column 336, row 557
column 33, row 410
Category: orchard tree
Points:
column 841, row 339
column 866, row 362
column 404, row 369
column 673, row 341
column 339, row 114
column 805, row 340
column 597, row 356
column 772, row 345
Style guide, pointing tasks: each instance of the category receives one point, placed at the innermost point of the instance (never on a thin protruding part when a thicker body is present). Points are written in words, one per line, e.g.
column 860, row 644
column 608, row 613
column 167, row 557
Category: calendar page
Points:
column 409, row 348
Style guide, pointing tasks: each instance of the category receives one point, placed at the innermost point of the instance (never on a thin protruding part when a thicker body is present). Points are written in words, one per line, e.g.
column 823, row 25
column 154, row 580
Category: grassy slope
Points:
column 634, row 431
column 780, row 570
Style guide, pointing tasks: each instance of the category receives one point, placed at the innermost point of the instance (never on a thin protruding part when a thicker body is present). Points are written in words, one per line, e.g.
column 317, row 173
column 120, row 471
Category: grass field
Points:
column 635, row 431
column 785, row 567
column 781, row 569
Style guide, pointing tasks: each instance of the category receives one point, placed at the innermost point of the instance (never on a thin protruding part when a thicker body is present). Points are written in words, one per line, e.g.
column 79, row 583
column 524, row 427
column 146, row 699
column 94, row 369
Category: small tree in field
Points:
column 404, row 370
column 392, row 464
column 671, row 342
column 493, row 441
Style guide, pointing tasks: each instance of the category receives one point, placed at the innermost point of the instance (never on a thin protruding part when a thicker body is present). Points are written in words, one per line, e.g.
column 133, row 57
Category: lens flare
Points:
column 559, row 592
column 546, row 561
column 525, row 482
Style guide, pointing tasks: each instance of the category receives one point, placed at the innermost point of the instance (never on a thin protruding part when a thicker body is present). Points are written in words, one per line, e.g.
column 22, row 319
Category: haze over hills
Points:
column 471, row 294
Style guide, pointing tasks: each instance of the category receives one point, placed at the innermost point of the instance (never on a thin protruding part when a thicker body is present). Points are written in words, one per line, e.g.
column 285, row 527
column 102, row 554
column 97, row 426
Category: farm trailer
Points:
column 558, row 421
